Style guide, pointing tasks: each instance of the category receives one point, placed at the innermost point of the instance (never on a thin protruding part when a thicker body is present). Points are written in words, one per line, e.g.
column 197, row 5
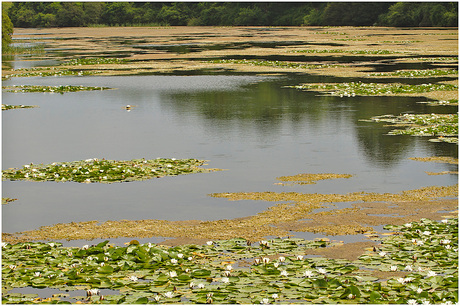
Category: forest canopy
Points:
column 83, row 14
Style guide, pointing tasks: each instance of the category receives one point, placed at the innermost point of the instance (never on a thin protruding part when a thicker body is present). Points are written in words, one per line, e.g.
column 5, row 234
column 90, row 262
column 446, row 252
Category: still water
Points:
column 252, row 126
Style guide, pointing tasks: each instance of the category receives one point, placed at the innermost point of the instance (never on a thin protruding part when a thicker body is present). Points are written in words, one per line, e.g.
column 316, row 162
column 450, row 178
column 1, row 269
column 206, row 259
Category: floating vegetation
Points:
column 8, row 106
column 8, row 200
column 434, row 59
column 353, row 89
column 47, row 72
column 418, row 73
column 452, row 102
column 52, row 89
column 441, row 125
column 95, row 61
column 106, row 171
column 418, row 264
column 437, row 159
column 277, row 64
column 346, row 51
column 309, row 178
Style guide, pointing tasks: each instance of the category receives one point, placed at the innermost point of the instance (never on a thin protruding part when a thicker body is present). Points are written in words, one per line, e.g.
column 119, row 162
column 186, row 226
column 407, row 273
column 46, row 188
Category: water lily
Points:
column 172, row 274
column 431, row 273
column 351, row 296
column 419, row 290
column 445, row 241
column 265, row 260
column 37, row 274
column 180, row 255
column 382, row 254
column 426, row 233
column 209, row 242
column 322, row 270
column 229, row 268
column 256, row 261
column 393, row 268
column 425, row 302
column 408, row 225
column 299, row 257
column 191, row 285
column 200, row 286
column 169, row 294
column 284, row 273
column 408, row 268
column 308, row 273
column 227, row 273
column 4, row 244
column 276, row 264
column 444, row 221
column 412, row 302
column 173, row 261
column 275, row 296
column 225, row 280
column 265, row 301
column 281, row 258
column 133, row 278
column 157, row 297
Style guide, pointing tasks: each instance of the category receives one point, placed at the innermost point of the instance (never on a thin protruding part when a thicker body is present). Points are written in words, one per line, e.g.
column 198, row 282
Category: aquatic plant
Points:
column 277, row 64
column 310, row 178
column 417, row 263
column 7, row 200
column 52, row 89
column 95, row 61
column 46, row 72
column 105, row 171
column 418, row 73
column 442, row 125
column 346, row 51
column 353, row 89
column 8, row 106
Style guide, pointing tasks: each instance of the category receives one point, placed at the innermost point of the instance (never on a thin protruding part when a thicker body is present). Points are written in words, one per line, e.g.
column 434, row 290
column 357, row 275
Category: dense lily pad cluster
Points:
column 418, row 73
column 445, row 126
column 105, row 171
column 47, row 72
column 234, row 271
column 374, row 89
column 52, row 89
column 277, row 64
column 95, row 61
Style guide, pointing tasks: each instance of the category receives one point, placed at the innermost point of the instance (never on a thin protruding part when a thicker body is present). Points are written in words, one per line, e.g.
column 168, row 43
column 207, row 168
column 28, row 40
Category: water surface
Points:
column 249, row 125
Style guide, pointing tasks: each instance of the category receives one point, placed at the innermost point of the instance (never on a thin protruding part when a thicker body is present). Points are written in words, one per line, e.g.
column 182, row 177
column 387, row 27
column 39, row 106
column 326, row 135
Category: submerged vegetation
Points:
column 106, row 171
column 417, row 264
column 309, row 178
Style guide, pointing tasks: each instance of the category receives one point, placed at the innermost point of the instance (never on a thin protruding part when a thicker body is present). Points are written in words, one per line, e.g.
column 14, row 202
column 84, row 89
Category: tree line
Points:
column 81, row 14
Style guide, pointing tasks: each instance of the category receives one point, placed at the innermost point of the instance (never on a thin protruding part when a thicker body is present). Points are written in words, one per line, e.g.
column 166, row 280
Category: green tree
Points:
column 7, row 29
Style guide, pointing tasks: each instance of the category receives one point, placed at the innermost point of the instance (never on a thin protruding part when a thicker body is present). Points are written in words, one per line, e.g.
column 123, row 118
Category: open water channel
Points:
column 252, row 126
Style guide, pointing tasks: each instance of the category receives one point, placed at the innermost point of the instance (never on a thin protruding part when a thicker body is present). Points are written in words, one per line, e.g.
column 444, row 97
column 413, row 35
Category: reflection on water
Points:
column 249, row 125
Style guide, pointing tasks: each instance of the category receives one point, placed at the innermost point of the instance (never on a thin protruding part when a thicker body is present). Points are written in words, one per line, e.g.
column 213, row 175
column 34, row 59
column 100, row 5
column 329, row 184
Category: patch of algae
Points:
column 310, row 178
column 278, row 220
column 437, row 159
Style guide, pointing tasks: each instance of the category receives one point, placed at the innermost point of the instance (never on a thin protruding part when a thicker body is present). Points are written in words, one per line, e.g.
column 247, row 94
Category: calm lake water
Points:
column 250, row 125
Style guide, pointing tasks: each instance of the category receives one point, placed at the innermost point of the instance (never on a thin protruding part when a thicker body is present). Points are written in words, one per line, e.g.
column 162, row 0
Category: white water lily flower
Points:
column 26, row 175
column 227, row 273
column 133, row 278
column 256, row 261
column 191, row 285
column 445, row 241
column 426, row 233
column 419, row 290
column 448, row 247
column 173, row 261
column 169, row 294
column 408, row 225
column 265, row 260
column 308, row 273
column 299, row 257
column 229, row 268
column 284, row 273
column 351, row 296
column 393, row 268
column 431, row 273
column 382, row 253
column 275, row 296
column 91, row 292
column 282, row 258
column 322, row 270
column 157, row 298
column 87, row 181
column 425, row 302
column 209, row 242
column 408, row 268
column 276, row 264
column 412, row 302
column 190, row 258
column 4, row 244
column 200, row 286
column 172, row 274
column 225, row 280
column 444, row 221
column 26, row 166
column 180, row 255
column 37, row 274
column 265, row 301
